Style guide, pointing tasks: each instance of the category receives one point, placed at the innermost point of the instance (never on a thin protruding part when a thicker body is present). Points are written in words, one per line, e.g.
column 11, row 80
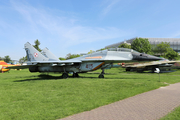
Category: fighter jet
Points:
column 161, row 64
column 48, row 62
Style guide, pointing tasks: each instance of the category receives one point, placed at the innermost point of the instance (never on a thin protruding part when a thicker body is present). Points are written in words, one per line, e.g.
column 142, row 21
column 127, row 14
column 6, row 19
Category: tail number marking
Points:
column 89, row 66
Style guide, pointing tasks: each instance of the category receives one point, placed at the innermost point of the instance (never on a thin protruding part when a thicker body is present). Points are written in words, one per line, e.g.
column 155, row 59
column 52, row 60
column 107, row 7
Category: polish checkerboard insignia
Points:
column 35, row 55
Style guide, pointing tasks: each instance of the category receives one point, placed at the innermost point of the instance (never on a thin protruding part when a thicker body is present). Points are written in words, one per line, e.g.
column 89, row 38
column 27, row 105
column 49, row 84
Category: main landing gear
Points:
column 75, row 75
column 65, row 75
column 102, row 74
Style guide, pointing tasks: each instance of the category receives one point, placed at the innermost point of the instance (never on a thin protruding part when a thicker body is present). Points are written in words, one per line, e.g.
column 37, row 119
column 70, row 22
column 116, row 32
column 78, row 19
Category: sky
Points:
column 78, row 26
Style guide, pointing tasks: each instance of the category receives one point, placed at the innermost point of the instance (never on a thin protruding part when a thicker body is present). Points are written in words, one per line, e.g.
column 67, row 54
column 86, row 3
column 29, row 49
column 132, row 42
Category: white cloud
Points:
column 64, row 28
column 176, row 34
column 109, row 4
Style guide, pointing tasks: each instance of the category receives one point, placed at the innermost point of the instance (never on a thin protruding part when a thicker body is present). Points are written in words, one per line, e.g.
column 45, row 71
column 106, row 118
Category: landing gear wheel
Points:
column 75, row 75
column 153, row 69
column 101, row 76
column 65, row 75
column 139, row 71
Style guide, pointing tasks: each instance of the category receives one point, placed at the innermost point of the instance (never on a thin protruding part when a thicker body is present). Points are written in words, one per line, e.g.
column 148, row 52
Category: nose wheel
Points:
column 102, row 74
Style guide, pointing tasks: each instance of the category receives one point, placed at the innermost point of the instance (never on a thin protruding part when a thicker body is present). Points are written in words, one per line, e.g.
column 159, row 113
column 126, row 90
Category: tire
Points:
column 101, row 76
column 75, row 75
column 65, row 75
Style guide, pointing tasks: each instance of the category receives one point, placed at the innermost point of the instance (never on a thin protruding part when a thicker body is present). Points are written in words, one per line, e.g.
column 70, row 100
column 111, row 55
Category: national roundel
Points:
column 35, row 55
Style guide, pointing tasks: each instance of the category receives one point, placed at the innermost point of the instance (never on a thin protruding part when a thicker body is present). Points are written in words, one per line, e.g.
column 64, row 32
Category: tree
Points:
column 171, row 54
column 90, row 52
column 161, row 48
column 164, row 50
column 7, row 59
column 37, row 43
column 1, row 58
column 22, row 60
column 124, row 45
column 62, row 58
column 141, row 45
column 101, row 49
column 70, row 56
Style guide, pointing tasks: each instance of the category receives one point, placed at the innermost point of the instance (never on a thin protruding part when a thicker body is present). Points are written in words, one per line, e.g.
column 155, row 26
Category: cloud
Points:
column 176, row 34
column 63, row 28
column 109, row 4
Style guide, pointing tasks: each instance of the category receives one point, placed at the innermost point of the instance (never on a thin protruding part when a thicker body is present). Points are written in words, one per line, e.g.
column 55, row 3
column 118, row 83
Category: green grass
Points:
column 174, row 115
column 33, row 96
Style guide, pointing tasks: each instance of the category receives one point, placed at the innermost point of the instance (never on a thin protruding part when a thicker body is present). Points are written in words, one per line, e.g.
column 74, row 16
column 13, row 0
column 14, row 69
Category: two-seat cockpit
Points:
column 122, row 49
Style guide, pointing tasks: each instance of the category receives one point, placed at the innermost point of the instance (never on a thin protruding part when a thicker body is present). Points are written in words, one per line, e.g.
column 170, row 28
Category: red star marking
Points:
column 35, row 55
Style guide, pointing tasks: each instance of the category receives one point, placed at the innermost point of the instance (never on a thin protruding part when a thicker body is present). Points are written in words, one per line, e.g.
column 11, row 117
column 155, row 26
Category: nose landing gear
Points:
column 102, row 74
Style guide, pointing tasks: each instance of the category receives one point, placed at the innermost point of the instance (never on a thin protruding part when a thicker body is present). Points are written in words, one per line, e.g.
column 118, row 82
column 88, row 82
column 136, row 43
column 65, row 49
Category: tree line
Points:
column 6, row 59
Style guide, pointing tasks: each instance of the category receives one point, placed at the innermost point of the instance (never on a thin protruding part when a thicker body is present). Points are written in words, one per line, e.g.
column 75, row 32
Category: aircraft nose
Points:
column 145, row 57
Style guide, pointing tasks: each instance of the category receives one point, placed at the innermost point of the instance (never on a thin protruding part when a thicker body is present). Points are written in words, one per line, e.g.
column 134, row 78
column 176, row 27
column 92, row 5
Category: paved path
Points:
column 151, row 105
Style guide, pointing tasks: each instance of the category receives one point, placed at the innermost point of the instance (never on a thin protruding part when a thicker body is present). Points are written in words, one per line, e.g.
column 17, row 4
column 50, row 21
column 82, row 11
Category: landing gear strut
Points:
column 65, row 74
column 102, row 74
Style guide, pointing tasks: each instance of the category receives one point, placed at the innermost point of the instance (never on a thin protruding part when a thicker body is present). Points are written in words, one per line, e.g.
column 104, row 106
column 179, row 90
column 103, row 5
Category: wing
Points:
column 54, row 62
column 49, row 63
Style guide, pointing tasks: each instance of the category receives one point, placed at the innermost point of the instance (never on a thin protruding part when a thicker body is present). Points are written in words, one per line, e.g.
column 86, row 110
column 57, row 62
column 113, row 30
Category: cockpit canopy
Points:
column 122, row 49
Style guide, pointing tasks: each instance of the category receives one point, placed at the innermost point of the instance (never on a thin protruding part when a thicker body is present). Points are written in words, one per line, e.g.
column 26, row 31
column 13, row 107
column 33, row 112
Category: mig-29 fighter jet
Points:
column 48, row 62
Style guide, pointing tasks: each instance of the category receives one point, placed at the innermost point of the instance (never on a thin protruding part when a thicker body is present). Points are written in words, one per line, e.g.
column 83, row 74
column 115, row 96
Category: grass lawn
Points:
column 174, row 115
column 26, row 95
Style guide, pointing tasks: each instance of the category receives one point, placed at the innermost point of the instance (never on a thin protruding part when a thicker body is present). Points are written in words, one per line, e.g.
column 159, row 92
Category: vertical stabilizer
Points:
column 33, row 54
column 47, row 53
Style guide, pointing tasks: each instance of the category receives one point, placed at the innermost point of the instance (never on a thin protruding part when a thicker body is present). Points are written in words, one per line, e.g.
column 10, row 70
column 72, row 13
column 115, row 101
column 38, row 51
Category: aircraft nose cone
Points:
column 145, row 57
column 151, row 57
